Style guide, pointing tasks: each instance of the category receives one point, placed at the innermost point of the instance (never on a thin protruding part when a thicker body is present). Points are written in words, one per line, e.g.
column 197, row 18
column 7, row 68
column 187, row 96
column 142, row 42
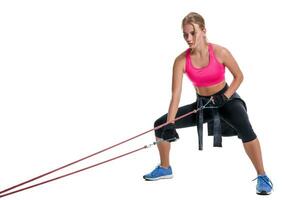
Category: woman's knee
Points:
column 158, row 122
column 248, row 137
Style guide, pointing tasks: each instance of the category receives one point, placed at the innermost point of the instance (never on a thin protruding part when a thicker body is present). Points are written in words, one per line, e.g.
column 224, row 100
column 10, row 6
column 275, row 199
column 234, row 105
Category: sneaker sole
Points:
column 158, row 178
column 263, row 193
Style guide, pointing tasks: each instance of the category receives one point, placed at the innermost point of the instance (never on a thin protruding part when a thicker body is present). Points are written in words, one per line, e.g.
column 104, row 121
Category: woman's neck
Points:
column 201, row 49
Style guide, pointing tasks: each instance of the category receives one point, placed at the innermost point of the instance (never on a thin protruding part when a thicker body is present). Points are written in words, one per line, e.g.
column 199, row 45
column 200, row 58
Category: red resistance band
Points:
column 6, row 192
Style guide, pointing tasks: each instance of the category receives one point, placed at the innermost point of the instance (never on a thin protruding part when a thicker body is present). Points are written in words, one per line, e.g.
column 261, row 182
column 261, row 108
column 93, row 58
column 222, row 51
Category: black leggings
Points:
column 233, row 113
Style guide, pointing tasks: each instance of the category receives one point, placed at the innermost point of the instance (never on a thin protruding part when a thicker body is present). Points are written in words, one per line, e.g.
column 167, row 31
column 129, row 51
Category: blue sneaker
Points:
column 159, row 173
column 264, row 185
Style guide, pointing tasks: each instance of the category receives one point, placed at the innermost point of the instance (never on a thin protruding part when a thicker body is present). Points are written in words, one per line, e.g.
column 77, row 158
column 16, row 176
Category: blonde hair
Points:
column 194, row 18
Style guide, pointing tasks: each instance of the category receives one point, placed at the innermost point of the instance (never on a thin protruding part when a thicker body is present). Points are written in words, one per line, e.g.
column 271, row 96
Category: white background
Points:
column 79, row 76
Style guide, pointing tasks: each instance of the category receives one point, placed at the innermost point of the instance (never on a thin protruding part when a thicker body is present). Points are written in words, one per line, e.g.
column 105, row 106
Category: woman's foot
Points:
column 264, row 185
column 159, row 173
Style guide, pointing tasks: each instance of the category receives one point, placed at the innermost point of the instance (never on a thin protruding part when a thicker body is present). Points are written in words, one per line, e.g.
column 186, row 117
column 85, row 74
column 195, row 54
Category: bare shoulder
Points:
column 220, row 52
column 180, row 58
column 180, row 61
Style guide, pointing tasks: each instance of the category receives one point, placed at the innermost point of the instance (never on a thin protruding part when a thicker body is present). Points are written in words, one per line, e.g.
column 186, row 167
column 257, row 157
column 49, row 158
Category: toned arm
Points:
column 229, row 61
column 178, row 69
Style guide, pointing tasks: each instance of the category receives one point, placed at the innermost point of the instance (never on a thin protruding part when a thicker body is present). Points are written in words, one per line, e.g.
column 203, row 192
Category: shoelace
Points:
column 155, row 171
column 268, row 181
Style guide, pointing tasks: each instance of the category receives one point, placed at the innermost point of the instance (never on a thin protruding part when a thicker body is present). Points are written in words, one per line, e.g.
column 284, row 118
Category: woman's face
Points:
column 193, row 35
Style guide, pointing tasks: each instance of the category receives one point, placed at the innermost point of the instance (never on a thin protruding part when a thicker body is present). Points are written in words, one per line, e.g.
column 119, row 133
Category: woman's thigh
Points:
column 235, row 114
column 188, row 121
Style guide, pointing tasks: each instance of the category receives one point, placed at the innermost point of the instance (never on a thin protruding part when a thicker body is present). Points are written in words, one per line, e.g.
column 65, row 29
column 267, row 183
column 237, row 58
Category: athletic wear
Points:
column 229, row 120
column 159, row 173
column 264, row 185
column 208, row 75
column 169, row 133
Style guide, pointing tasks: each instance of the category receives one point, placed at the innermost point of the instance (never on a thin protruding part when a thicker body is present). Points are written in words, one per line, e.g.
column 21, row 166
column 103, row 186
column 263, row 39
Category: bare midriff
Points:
column 208, row 91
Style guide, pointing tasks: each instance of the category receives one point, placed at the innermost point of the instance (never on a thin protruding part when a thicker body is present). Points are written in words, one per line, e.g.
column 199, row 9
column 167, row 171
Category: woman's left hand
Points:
column 219, row 100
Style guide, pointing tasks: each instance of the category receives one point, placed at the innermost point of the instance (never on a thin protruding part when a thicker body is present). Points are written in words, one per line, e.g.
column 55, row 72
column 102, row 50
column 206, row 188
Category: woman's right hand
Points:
column 169, row 133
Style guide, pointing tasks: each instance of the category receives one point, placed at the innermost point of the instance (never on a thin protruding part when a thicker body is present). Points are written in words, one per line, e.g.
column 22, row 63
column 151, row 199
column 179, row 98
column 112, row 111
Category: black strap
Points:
column 200, row 124
column 217, row 129
column 217, row 132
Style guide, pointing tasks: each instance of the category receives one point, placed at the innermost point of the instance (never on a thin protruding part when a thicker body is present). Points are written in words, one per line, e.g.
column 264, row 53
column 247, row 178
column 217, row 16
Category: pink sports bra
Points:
column 208, row 75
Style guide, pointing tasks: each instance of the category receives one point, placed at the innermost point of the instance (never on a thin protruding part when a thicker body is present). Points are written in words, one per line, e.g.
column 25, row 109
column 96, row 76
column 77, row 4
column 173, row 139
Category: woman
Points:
column 225, row 112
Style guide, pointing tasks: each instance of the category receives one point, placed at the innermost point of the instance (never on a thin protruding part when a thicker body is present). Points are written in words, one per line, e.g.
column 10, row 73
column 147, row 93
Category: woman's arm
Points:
column 178, row 68
column 229, row 61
